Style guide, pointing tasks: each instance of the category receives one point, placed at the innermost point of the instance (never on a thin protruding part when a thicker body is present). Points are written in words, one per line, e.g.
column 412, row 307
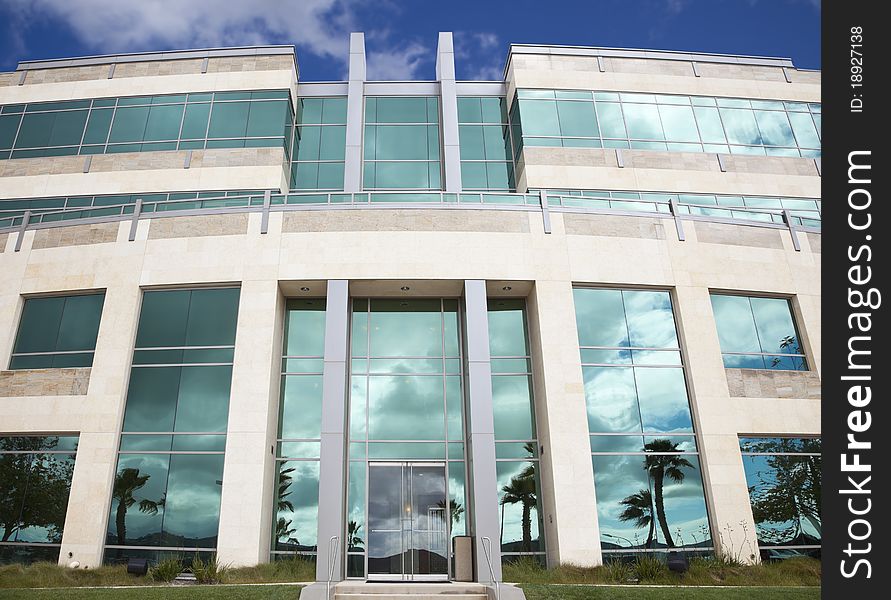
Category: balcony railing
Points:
column 19, row 219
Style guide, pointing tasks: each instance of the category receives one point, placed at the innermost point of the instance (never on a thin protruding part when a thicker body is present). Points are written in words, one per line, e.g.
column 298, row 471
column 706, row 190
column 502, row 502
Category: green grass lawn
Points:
column 570, row 592
column 192, row 592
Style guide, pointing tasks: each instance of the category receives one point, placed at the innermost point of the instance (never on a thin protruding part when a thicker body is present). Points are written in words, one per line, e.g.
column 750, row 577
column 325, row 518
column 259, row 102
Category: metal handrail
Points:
column 487, row 551
column 332, row 561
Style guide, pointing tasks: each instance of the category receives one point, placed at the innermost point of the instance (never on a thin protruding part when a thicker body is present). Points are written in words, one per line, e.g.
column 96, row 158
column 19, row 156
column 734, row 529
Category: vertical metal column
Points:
column 332, row 466
column 448, row 93
column 481, row 431
column 352, row 173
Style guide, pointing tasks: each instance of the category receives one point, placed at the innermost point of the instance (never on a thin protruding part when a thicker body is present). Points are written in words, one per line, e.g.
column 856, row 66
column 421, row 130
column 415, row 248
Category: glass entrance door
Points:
column 407, row 524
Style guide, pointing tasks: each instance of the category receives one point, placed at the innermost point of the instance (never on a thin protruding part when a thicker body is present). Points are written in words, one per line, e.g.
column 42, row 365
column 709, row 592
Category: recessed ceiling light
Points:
column 405, row 288
column 507, row 288
column 304, row 289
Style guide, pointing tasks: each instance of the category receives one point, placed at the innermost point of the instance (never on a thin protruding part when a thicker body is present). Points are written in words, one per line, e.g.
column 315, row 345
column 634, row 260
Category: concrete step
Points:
column 409, row 591
column 413, row 596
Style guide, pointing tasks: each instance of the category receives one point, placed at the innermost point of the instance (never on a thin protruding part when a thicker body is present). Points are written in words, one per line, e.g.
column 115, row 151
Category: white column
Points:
column 352, row 174
column 100, row 413
column 481, row 431
column 332, row 465
column 445, row 74
column 572, row 533
column 248, row 470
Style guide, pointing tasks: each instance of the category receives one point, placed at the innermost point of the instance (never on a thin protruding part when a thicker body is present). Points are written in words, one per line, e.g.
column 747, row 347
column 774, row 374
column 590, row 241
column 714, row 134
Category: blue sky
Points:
column 401, row 36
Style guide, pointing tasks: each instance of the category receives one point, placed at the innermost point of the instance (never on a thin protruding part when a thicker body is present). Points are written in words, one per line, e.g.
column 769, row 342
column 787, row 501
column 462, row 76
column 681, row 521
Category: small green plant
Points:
column 649, row 568
column 209, row 571
column 616, row 571
column 166, row 571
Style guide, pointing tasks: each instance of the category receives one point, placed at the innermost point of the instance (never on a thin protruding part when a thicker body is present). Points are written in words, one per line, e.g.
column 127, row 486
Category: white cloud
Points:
column 320, row 26
column 479, row 53
column 397, row 63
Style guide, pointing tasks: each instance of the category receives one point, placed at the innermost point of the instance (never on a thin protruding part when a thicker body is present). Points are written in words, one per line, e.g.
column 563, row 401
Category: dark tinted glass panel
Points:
column 68, row 128
column 80, row 322
column 213, row 315
column 39, row 327
column 138, row 500
column 195, row 121
column 97, row 128
column 203, row 401
column 267, row 119
column 151, row 399
column 192, row 500
column 9, row 125
column 162, row 321
column 163, row 123
column 229, row 120
column 129, row 124
column 35, row 130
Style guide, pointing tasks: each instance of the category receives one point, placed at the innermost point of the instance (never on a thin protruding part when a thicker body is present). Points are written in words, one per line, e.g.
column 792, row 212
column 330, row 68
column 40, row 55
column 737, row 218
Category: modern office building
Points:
column 573, row 314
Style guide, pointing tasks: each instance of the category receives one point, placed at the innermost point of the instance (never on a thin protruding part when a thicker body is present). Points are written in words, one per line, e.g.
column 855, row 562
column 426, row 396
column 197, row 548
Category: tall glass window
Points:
column 570, row 118
column 299, row 430
column 147, row 123
column 647, row 474
column 319, row 144
column 516, row 440
column 35, row 479
column 402, row 143
column 785, row 487
column 486, row 157
column 406, row 402
column 166, row 493
column 758, row 333
column 59, row 331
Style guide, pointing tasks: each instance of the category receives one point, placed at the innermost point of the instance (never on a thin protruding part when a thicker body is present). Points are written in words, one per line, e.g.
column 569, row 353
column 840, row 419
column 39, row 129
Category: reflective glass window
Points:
column 168, row 484
column 58, row 331
column 758, row 333
column 644, row 454
column 35, row 480
column 785, row 483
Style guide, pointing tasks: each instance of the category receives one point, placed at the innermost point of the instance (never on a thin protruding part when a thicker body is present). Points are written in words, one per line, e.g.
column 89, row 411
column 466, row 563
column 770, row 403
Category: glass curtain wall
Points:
column 299, row 430
column 319, row 144
column 35, row 479
column 647, row 475
column 147, row 123
column 516, row 440
column 406, row 403
column 785, row 488
column 402, row 143
column 166, row 493
column 587, row 119
column 486, row 157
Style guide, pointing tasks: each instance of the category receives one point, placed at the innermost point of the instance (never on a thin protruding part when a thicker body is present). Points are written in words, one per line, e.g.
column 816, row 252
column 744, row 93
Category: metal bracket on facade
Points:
column 620, row 159
column 204, row 64
column 22, row 78
column 545, row 212
column 111, row 71
column 187, row 161
column 721, row 164
column 26, row 217
column 88, row 160
column 264, row 216
column 818, row 162
column 787, row 75
column 695, row 69
column 678, row 224
column 600, row 64
column 787, row 217
column 137, row 210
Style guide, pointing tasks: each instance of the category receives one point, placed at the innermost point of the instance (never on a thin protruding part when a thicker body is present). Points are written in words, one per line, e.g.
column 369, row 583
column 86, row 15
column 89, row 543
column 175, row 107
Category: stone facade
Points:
column 44, row 382
column 197, row 226
column 756, row 383
column 75, row 235
column 756, row 237
column 407, row 220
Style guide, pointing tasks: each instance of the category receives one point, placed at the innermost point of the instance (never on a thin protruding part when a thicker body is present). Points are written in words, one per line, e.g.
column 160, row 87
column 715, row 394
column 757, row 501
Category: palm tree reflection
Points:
column 126, row 483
